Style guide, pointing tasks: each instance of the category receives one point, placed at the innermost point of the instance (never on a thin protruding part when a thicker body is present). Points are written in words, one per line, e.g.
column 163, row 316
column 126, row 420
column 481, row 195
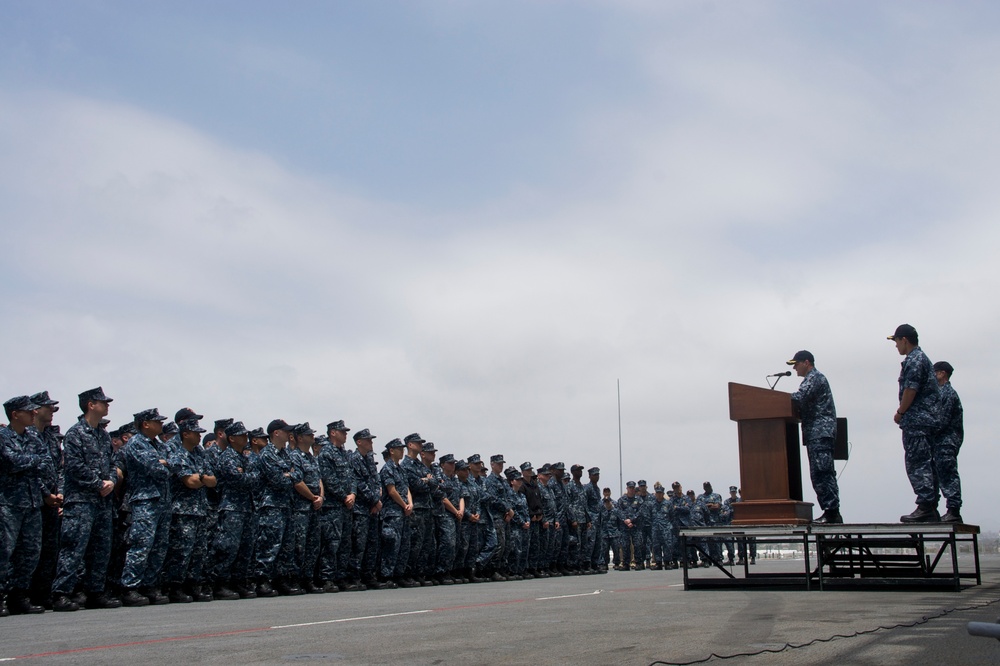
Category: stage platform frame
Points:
column 846, row 556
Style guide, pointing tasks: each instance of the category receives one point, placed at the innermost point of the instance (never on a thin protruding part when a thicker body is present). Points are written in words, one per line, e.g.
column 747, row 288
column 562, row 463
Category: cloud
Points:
column 747, row 203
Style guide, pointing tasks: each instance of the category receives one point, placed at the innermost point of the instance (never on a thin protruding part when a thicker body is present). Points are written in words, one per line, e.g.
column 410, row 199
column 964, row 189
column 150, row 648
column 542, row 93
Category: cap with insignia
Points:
column 413, row 438
column 190, row 425
column 525, row 466
column 337, row 425
column 594, row 471
column 303, row 429
column 658, row 487
column 21, row 403
column 42, row 399
column 576, row 468
column 474, row 458
column 642, row 483
column 558, row 465
column 429, row 447
column 277, row 424
column 732, row 489
column 630, row 484
column 396, row 443
column 95, row 394
column 222, row 424
column 258, row 433
column 511, row 473
column 498, row 458
column 149, row 415
column 170, row 428
column 236, row 429
column 363, row 434
column 446, row 458
column 461, row 464
column 186, row 413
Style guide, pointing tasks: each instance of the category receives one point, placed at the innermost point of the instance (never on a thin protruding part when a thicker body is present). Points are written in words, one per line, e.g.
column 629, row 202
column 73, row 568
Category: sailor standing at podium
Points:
column 814, row 401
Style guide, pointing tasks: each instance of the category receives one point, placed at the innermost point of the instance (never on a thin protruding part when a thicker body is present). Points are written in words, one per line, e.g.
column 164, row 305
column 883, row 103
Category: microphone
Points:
column 786, row 373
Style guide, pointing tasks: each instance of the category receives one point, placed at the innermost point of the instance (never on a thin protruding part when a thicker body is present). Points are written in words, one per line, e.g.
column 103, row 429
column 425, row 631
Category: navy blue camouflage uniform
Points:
column 947, row 441
column 339, row 482
column 23, row 464
column 814, row 401
column 148, row 497
column 919, row 424
column 395, row 546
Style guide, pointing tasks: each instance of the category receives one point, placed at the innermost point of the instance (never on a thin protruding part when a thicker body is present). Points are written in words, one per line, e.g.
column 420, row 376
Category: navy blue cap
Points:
column 498, row 458
column 394, row 444
column 95, row 394
column 593, row 471
column 904, row 331
column 940, row 366
column 461, row 464
column 511, row 473
column 558, row 465
column 658, row 487
column 630, row 484
column 186, row 413
column 545, row 469
column 733, row 489
column 473, row 459
column 236, row 429
column 642, row 483
column 337, row 425
column 149, row 415
column 303, row 429
column 21, row 403
column 446, row 458
column 802, row 356
column 42, row 399
column 277, row 424
column 129, row 428
column 364, row 433
column 190, row 425
column 170, row 428
column 258, row 433
column 429, row 447
column 414, row 438
column 525, row 466
column 221, row 424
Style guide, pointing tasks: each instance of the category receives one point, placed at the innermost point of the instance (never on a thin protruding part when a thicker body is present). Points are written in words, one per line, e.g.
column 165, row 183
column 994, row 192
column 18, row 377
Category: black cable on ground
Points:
column 796, row 646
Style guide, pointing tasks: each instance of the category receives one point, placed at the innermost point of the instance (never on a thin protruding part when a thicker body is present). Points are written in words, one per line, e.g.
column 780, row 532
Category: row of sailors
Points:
column 257, row 513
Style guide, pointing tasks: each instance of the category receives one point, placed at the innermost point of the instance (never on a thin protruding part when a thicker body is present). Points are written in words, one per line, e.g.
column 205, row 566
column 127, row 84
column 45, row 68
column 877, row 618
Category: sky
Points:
column 478, row 220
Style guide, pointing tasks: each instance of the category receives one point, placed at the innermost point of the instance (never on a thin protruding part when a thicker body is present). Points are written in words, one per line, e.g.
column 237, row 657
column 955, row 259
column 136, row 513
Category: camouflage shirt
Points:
column 917, row 373
column 814, row 401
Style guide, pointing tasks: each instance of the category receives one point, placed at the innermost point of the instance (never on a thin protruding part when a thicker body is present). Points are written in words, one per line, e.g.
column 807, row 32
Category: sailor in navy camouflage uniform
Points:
column 23, row 464
column 594, row 554
column 947, row 442
column 520, row 525
column 660, row 515
column 611, row 531
column 147, row 469
column 918, row 420
column 499, row 502
column 397, row 506
column 814, row 402
column 630, row 508
column 365, row 533
column 421, row 483
column 335, row 518
column 233, row 540
column 277, row 476
column 550, row 526
column 88, row 486
column 307, row 503
column 447, row 516
column 186, row 553
column 52, row 497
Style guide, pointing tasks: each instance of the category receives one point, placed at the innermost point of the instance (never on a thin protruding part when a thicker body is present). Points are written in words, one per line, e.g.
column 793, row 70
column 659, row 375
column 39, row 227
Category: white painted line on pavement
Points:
column 350, row 619
column 570, row 596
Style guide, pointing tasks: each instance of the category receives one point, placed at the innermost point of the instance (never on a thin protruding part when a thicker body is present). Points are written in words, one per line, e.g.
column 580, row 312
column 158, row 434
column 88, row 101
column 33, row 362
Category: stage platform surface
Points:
column 903, row 556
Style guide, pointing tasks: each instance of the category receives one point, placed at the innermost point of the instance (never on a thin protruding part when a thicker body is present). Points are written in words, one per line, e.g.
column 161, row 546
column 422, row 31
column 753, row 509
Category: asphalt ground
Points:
column 638, row 617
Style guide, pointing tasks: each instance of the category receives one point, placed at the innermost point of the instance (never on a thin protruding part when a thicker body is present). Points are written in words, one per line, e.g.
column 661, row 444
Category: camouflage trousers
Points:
column 84, row 547
column 365, row 536
column 186, row 551
column 446, row 531
column 662, row 544
column 517, row 547
column 45, row 573
column 233, row 542
column 918, row 459
column 823, row 473
column 468, row 549
column 553, row 544
column 395, row 546
column 422, row 551
column 272, row 524
column 148, row 537
column 20, row 544
column 300, row 548
column 487, row 539
column 592, row 541
column 633, row 546
column 501, row 530
column 536, row 544
column 612, row 544
column 945, row 455
column 334, row 549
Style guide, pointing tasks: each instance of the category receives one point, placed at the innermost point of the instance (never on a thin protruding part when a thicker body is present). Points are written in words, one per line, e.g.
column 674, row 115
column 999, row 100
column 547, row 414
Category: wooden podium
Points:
column 770, row 467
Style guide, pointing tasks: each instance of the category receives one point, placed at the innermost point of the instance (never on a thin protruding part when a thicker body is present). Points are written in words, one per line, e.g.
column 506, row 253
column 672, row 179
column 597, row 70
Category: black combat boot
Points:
column 922, row 514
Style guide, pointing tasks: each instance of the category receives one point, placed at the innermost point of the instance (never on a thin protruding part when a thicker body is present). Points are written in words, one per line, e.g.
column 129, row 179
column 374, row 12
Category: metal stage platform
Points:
column 839, row 557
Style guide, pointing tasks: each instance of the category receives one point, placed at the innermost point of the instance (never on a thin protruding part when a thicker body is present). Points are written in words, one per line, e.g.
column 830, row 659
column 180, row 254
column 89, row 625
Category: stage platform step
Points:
column 848, row 556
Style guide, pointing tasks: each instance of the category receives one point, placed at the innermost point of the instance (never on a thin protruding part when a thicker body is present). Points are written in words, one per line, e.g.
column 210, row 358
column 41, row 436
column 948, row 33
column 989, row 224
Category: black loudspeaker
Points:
column 840, row 447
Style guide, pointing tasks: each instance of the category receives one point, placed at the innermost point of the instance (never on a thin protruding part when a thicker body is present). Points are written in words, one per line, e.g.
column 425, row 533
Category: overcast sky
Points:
column 472, row 219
